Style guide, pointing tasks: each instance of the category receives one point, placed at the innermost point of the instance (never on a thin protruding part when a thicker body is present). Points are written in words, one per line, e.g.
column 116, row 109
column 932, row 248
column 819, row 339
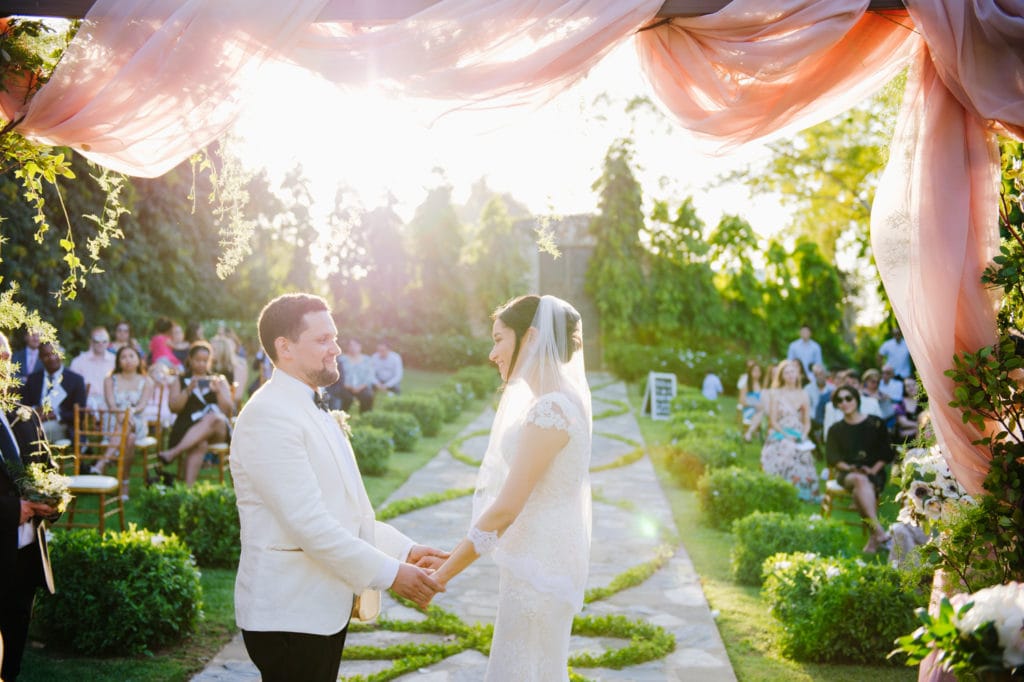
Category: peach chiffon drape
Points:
column 750, row 70
column 147, row 82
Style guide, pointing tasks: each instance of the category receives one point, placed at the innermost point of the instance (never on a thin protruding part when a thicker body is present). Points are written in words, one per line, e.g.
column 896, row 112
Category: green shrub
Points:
column 715, row 448
column 451, row 406
column 425, row 408
column 482, row 380
column 835, row 610
column 632, row 362
column 204, row 516
column 126, row 592
column 762, row 534
column 685, row 467
column 402, row 426
column 373, row 448
column 441, row 351
column 457, row 391
column 729, row 494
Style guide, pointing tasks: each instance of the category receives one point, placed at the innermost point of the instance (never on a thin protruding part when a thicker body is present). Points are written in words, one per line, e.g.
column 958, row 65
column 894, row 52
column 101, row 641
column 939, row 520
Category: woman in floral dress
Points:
column 787, row 451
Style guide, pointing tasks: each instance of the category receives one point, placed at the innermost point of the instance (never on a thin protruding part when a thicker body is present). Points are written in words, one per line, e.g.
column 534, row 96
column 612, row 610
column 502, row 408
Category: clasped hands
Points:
column 414, row 581
column 30, row 510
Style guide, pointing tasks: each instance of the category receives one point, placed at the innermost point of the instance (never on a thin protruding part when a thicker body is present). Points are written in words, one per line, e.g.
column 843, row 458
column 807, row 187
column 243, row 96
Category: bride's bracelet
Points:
column 484, row 541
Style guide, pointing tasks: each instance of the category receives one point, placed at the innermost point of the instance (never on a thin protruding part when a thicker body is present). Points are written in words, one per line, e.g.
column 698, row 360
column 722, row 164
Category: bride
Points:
column 531, row 509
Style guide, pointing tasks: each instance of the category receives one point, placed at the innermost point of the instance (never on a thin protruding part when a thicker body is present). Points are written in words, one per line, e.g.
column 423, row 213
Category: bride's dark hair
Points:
column 518, row 315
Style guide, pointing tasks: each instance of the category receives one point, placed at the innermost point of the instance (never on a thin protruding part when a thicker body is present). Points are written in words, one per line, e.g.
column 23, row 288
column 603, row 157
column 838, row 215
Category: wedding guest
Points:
column 357, row 373
column 27, row 357
column 54, row 391
column 764, row 405
column 857, row 451
column 203, row 404
column 908, row 413
column 711, row 387
column 750, row 398
column 387, row 369
column 895, row 352
column 223, row 356
column 127, row 388
column 123, row 337
column 806, row 350
column 24, row 557
column 818, row 389
column 95, row 364
column 194, row 332
column 890, row 384
column 179, row 344
column 787, row 450
column 871, row 380
column 868, row 405
column 160, row 349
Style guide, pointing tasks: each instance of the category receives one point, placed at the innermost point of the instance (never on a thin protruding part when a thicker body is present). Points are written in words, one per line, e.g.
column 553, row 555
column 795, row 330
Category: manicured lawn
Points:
column 745, row 625
column 181, row 662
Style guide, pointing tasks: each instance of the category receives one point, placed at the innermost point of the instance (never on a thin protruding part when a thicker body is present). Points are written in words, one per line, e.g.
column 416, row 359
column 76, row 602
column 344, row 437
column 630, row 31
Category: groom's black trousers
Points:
column 291, row 656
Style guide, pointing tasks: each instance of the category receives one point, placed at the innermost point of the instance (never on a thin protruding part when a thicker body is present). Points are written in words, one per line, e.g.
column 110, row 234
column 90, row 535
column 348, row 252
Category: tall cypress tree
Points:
column 615, row 277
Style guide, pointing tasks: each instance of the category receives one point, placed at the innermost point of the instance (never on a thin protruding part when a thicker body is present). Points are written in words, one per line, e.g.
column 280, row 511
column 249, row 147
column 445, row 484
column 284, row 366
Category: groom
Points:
column 309, row 538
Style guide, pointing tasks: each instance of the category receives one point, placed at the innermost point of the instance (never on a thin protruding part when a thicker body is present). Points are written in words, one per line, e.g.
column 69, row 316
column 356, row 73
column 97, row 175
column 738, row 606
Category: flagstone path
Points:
column 631, row 520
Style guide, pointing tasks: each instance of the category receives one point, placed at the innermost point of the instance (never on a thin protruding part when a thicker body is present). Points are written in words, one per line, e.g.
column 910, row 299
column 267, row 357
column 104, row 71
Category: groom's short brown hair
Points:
column 283, row 317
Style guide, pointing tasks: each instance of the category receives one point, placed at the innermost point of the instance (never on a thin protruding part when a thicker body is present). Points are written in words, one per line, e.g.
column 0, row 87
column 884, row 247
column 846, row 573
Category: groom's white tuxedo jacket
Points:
column 309, row 538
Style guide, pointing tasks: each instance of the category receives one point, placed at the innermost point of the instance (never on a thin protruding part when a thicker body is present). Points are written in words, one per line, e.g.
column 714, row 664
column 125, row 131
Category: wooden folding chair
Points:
column 96, row 433
column 222, row 451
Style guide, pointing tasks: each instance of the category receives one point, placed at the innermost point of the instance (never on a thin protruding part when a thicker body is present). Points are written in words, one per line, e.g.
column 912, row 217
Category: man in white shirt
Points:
column 894, row 352
column 387, row 369
column 310, row 542
column 95, row 365
column 806, row 350
column 712, row 386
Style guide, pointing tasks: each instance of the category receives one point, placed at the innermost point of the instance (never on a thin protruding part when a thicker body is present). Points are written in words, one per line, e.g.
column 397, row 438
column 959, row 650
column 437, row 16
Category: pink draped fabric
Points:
column 759, row 68
column 739, row 74
column 146, row 83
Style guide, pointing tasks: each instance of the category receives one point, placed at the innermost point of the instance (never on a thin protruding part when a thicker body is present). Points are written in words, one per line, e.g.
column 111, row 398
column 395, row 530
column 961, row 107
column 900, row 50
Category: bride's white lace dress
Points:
column 544, row 555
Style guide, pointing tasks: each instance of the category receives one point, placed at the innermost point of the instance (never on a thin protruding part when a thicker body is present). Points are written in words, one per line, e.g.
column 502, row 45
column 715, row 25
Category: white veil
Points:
column 550, row 360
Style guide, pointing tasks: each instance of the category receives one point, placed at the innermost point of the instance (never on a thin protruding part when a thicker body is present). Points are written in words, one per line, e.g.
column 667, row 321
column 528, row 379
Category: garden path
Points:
column 631, row 521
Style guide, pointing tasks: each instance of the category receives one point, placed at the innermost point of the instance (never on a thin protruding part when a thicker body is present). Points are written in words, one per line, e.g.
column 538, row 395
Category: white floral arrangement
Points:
column 928, row 490
column 39, row 482
column 341, row 417
column 974, row 633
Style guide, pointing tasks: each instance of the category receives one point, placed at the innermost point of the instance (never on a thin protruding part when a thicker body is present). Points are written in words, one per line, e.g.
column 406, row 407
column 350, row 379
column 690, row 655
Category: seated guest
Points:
column 54, row 391
column 818, row 390
column 123, row 337
column 750, row 396
column 857, row 450
column 868, row 405
column 203, row 404
column 890, row 384
column 870, row 389
column 180, row 343
column 160, row 349
column 95, row 365
column 908, row 413
column 358, row 375
column 27, row 358
column 127, row 388
column 223, row 356
column 387, row 369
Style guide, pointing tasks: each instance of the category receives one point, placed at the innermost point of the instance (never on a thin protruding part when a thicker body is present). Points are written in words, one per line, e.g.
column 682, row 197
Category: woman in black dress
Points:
column 204, row 407
column 857, row 449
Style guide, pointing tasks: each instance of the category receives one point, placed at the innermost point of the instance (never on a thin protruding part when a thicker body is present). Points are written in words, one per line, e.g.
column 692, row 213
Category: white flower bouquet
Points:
column 40, row 482
column 928, row 490
column 980, row 633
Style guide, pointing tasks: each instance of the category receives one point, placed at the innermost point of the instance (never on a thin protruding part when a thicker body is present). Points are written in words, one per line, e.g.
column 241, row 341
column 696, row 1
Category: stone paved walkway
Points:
column 629, row 506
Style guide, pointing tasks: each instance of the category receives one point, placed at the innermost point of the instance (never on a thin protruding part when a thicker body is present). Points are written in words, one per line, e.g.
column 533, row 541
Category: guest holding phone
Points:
column 204, row 407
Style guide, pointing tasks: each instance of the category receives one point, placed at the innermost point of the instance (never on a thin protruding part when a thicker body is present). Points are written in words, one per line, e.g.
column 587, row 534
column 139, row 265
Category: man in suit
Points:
column 54, row 391
column 310, row 542
column 24, row 560
column 27, row 358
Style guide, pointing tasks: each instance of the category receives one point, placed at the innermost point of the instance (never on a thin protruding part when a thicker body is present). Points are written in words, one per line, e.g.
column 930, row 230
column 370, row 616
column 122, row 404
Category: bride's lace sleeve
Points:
column 548, row 413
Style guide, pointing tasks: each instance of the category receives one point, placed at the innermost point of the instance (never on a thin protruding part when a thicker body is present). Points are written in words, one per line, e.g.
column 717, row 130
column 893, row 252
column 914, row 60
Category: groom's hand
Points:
column 427, row 557
column 414, row 584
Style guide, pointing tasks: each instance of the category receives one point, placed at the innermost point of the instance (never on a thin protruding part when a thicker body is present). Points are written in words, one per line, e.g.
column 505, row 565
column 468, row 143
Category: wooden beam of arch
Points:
column 363, row 11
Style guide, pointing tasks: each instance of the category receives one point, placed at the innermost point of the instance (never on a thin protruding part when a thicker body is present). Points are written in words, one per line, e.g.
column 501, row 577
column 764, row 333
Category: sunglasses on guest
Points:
column 844, row 398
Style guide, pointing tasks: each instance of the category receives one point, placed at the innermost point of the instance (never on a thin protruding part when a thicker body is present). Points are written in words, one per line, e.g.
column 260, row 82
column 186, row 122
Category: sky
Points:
column 547, row 158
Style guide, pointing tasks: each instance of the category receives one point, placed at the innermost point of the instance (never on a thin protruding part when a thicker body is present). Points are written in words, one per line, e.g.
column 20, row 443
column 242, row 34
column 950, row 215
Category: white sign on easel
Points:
column 661, row 389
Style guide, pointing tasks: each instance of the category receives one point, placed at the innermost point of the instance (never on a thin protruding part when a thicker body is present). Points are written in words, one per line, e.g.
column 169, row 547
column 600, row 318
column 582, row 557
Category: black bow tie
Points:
column 321, row 401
